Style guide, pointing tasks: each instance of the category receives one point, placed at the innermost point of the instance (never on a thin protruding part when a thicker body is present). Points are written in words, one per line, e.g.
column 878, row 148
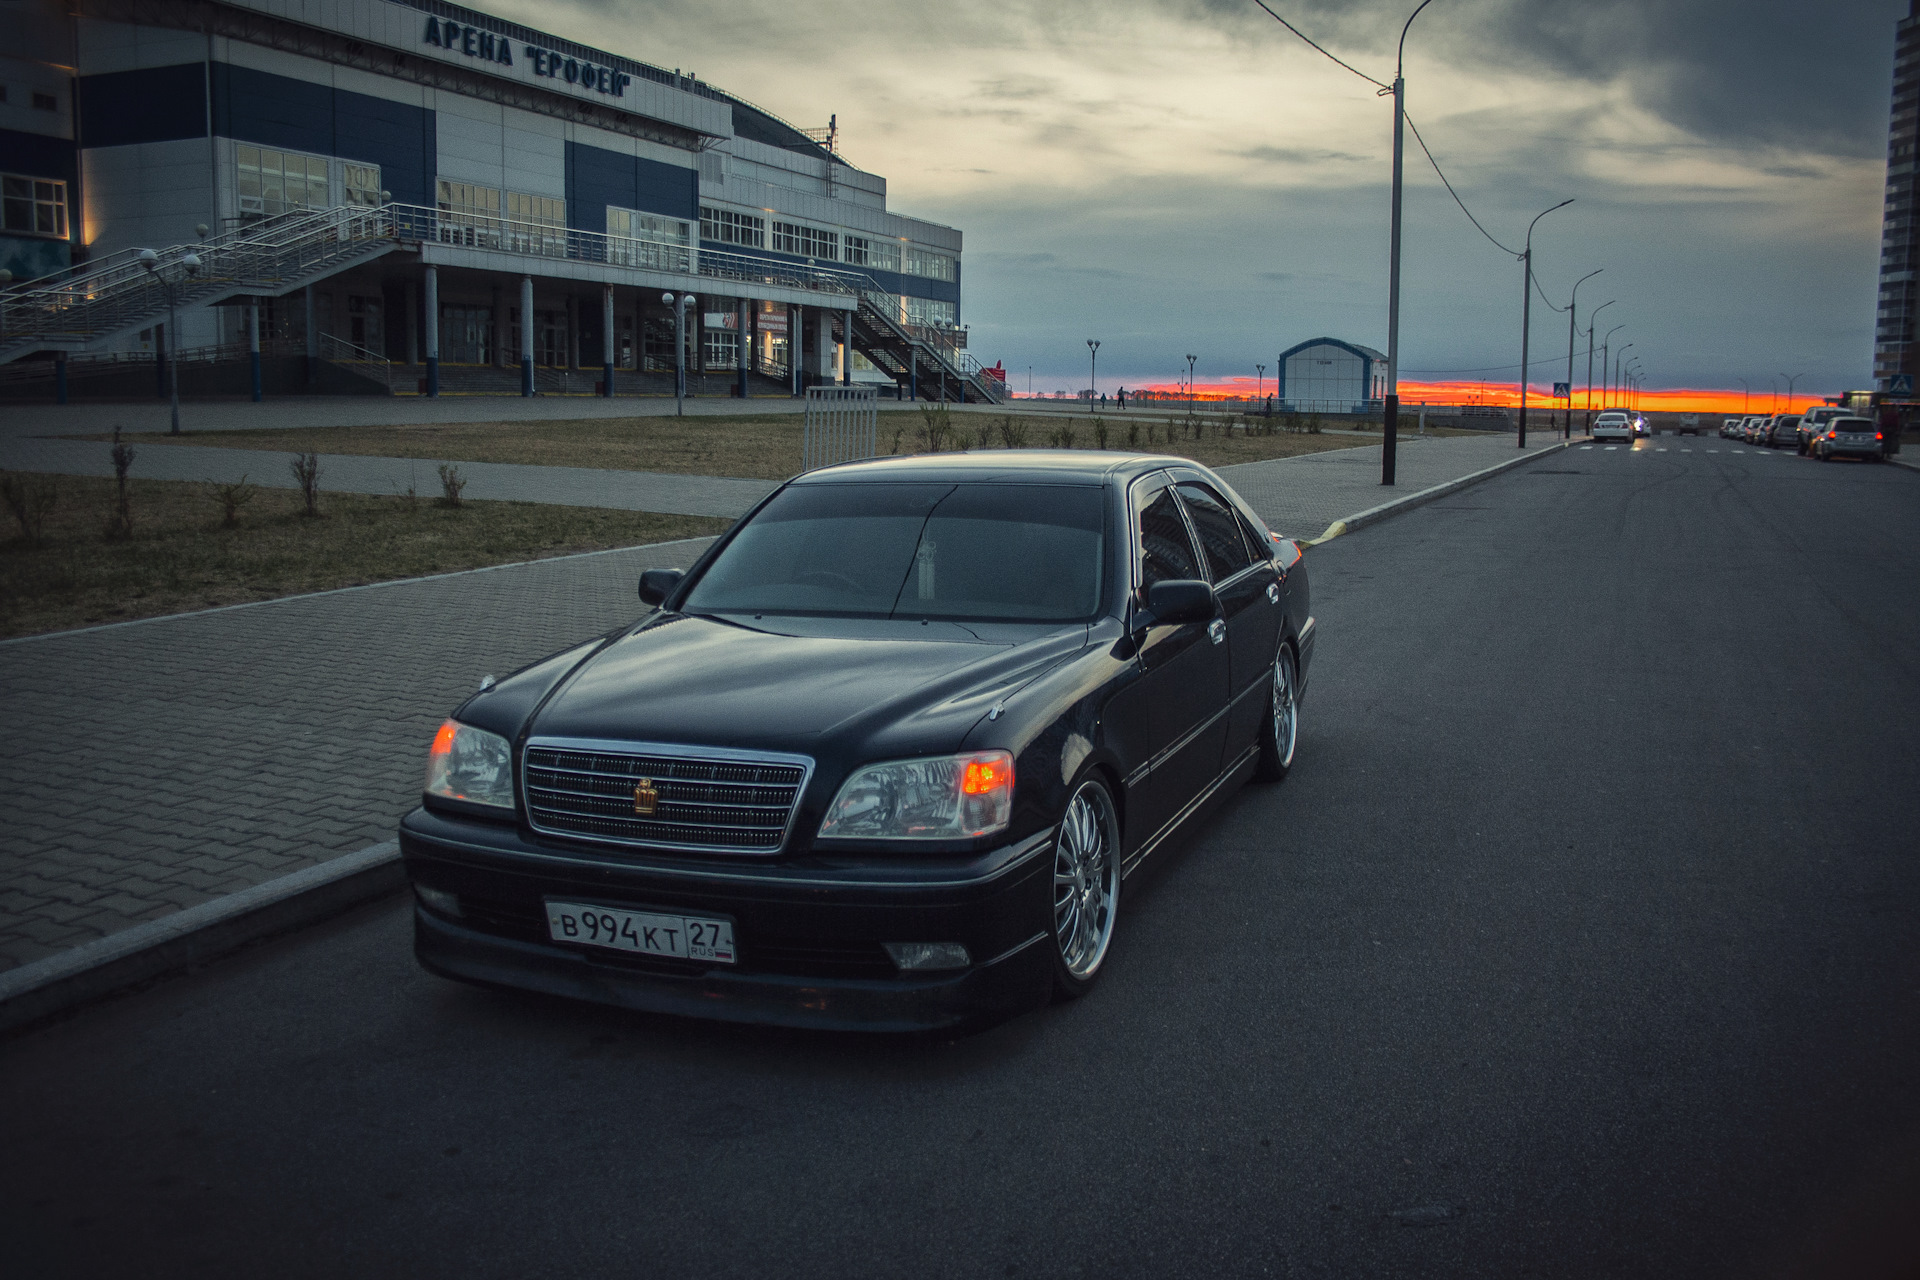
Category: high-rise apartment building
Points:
column 1896, row 355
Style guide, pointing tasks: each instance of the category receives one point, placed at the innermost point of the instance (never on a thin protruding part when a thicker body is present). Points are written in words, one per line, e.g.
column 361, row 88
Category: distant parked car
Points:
column 1849, row 438
column 1642, row 428
column 1814, row 421
column 1689, row 425
column 1612, row 425
column 1730, row 428
column 1784, row 431
column 1755, row 425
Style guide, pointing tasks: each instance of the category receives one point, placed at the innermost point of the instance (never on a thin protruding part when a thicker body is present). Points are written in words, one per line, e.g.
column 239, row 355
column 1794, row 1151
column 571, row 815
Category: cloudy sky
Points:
column 1174, row 176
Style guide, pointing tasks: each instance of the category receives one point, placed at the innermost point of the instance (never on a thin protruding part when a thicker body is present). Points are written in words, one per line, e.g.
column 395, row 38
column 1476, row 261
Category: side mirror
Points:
column 1181, row 600
column 657, row 584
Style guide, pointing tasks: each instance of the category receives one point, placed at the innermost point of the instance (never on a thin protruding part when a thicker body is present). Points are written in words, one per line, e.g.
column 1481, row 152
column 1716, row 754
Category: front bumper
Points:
column 809, row 932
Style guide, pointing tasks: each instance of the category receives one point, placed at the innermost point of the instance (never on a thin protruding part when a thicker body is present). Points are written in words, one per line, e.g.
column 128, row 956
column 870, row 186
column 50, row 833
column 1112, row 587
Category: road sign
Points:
column 1563, row 390
column 1901, row 383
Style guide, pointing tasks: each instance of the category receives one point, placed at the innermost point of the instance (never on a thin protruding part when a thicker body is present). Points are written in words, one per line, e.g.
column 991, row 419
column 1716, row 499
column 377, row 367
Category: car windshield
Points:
column 979, row 552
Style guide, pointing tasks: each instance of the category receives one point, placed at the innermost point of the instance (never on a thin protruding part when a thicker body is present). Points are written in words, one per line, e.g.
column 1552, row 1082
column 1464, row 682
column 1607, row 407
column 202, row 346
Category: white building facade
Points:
column 461, row 200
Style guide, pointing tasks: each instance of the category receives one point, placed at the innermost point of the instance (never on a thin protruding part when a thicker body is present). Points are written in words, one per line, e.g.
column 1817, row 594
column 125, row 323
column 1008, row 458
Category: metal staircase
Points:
column 933, row 370
column 97, row 301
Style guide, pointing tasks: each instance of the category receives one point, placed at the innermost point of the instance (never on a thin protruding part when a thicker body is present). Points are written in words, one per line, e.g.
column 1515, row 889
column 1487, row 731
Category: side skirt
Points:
column 1231, row 773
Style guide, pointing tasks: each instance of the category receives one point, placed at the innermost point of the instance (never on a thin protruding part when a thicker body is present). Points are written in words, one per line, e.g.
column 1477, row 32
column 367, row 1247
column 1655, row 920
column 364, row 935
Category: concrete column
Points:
column 413, row 322
column 823, row 344
column 606, row 339
column 526, row 335
column 253, row 347
column 741, row 350
column 433, row 332
column 796, row 344
column 846, row 349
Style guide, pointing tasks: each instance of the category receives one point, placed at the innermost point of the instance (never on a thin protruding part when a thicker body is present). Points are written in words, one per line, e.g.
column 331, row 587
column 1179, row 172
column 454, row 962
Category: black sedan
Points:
column 882, row 758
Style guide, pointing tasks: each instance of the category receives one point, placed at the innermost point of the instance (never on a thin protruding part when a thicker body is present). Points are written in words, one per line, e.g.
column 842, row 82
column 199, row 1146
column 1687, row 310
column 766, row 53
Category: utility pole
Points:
column 1593, row 324
column 1573, row 309
column 1526, row 312
column 1093, row 371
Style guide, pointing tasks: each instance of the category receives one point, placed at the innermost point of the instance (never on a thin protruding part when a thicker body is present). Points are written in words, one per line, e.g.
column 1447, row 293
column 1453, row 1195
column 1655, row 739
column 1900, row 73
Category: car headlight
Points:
column 470, row 764
column 939, row 798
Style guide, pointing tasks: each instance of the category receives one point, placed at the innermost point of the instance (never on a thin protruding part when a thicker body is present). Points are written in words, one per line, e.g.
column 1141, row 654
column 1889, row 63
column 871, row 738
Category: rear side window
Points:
column 1220, row 539
column 1166, row 553
column 1851, row 425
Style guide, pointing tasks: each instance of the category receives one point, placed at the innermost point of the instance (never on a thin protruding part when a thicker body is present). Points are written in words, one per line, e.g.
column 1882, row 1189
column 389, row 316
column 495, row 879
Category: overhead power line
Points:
column 1303, row 35
column 1450, row 191
column 1501, row 368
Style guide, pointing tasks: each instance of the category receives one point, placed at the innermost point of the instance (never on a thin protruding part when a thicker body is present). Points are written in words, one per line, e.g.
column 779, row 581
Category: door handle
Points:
column 1217, row 630
column 1273, row 593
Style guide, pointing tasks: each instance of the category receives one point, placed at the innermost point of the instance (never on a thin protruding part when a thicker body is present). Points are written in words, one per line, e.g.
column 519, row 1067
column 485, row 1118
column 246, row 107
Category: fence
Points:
column 842, row 426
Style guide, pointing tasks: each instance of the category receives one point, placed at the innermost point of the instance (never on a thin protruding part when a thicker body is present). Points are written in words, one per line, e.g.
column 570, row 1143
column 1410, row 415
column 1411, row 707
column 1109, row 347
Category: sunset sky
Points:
column 1174, row 176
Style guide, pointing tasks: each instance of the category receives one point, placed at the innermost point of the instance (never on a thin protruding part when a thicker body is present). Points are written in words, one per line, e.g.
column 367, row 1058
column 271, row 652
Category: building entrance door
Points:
column 550, row 339
column 363, row 323
column 466, row 335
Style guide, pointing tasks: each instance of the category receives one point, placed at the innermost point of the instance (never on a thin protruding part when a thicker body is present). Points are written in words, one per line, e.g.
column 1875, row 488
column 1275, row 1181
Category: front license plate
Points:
column 642, row 932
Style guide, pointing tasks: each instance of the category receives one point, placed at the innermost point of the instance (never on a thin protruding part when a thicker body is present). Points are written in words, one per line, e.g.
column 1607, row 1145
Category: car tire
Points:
column 1280, row 731
column 1085, row 897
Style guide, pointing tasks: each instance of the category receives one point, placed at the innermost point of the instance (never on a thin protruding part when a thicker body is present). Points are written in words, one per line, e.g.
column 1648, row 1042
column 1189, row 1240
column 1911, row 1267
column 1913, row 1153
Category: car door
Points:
column 1250, row 604
column 1184, row 669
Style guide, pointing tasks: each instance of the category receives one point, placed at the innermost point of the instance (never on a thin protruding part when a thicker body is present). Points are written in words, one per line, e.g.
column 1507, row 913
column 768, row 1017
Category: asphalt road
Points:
column 1581, row 942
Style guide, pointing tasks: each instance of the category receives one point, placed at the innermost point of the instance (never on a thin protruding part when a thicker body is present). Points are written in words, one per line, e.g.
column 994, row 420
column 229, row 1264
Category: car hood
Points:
column 812, row 686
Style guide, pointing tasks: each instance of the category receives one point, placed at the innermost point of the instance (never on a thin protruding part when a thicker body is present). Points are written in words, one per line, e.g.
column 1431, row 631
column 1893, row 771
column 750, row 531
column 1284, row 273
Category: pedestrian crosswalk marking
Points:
column 1612, row 447
column 1586, row 446
column 1659, row 450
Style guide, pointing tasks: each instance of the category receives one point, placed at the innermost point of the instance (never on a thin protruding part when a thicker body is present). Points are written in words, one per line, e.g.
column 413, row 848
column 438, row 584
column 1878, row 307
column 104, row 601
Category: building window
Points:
column 469, row 214
column 925, row 262
column 272, row 182
column 808, row 242
column 45, row 102
column 34, row 206
column 536, row 224
column 360, row 184
column 881, row 254
column 728, row 227
column 648, row 240
column 930, row 312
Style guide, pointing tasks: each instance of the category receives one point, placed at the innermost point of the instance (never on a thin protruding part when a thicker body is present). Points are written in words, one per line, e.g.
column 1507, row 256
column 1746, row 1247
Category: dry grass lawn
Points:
column 180, row 556
column 760, row 447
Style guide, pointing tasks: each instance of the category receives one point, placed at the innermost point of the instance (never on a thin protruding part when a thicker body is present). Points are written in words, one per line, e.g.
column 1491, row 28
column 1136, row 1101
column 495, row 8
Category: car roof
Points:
column 1019, row 466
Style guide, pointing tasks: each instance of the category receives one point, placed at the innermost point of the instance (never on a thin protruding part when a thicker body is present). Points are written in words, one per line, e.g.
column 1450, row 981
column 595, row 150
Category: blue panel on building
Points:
column 155, row 104
column 37, row 156
column 597, row 178
column 269, row 110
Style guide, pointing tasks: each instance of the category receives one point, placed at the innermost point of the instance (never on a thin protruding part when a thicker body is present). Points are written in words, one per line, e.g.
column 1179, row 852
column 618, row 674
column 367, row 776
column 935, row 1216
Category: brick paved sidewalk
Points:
column 153, row 765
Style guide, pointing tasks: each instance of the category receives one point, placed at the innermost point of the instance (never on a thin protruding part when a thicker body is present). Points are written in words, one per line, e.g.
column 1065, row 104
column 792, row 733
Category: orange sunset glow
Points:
column 1413, row 394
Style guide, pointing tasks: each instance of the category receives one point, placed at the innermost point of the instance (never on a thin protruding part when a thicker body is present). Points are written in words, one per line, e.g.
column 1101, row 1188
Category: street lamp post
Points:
column 1391, row 424
column 1619, row 361
column 1791, row 379
column 1093, row 371
column 191, row 264
column 1606, row 355
column 1573, row 309
column 1593, row 323
column 679, row 305
column 1190, row 360
column 1259, row 384
column 1526, row 312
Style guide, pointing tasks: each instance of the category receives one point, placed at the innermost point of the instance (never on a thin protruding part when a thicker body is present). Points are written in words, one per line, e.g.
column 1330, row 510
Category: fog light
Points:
column 928, row 955
column 438, row 900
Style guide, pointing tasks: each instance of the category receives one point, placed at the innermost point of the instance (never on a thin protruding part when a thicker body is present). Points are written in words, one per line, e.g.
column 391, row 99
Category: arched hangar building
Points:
column 451, row 198
column 1327, row 375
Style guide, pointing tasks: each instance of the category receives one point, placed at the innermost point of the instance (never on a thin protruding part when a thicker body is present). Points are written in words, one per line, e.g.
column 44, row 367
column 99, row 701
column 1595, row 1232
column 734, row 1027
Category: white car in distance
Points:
column 1612, row 425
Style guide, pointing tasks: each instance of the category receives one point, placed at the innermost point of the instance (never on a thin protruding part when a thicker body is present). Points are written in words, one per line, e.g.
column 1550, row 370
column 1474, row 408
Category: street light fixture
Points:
column 1260, row 383
column 1391, row 424
column 1606, row 356
column 679, row 305
column 1526, row 312
column 1093, row 371
column 1573, row 309
column 190, row 263
column 1619, row 362
column 1593, row 323
column 1791, row 379
column 1190, row 360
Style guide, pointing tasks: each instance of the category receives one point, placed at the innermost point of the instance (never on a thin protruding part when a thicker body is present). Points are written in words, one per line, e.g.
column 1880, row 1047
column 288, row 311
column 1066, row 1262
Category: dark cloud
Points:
column 1294, row 155
column 1766, row 72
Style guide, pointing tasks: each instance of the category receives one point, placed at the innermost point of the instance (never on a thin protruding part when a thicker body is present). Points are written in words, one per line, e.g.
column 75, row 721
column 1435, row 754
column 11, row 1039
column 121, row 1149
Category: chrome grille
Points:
column 710, row 800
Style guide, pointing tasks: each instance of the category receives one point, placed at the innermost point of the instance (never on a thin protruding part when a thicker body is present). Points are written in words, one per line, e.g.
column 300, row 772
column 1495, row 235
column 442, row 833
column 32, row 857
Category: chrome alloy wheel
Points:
column 1086, row 880
column 1286, row 710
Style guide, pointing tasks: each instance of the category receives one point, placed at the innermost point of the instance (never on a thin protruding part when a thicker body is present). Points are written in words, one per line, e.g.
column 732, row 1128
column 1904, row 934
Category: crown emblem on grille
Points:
column 646, row 797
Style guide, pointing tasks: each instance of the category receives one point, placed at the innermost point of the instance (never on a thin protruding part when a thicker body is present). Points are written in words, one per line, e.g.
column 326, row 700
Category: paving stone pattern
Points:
column 156, row 765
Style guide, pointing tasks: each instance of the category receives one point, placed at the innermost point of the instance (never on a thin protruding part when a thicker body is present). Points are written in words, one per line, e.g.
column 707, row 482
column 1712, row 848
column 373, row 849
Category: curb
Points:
column 1372, row 515
column 34, row 992
column 1902, row 462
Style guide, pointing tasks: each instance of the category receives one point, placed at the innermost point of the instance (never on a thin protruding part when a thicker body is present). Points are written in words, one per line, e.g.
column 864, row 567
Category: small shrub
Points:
column 451, row 483
column 1133, row 435
column 121, row 523
column 1062, row 437
column 1100, row 432
column 983, row 435
column 1013, row 433
column 306, row 474
column 897, row 433
column 938, row 428
column 31, row 499
column 233, row 498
